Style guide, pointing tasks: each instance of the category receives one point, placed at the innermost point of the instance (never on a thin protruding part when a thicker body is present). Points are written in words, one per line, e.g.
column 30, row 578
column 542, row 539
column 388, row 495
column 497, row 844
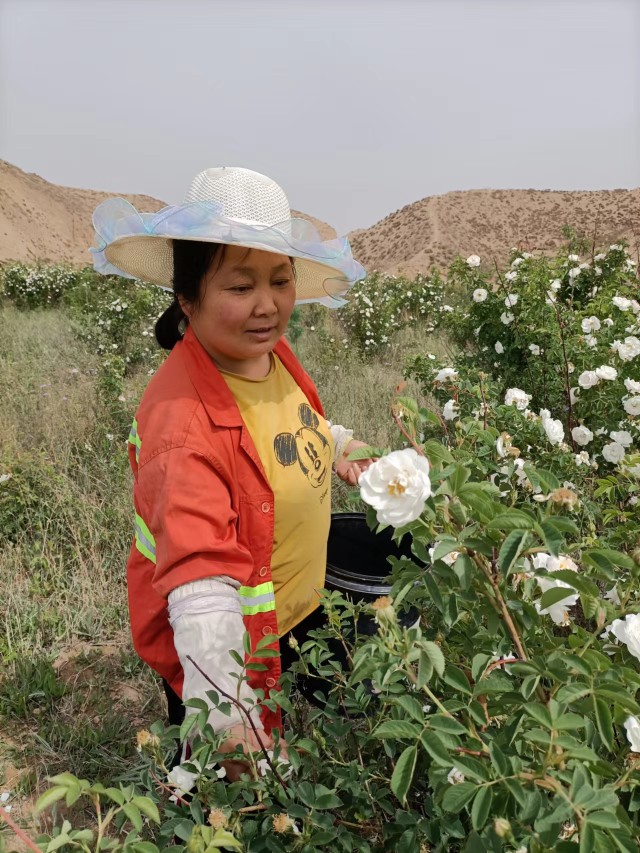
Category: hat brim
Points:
column 141, row 246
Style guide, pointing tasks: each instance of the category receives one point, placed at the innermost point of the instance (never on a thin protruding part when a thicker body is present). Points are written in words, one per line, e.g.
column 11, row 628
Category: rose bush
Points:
column 505, row 717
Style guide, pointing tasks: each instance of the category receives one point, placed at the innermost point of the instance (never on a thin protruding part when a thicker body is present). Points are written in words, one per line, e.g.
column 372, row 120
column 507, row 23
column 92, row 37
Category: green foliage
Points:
column 381, row 305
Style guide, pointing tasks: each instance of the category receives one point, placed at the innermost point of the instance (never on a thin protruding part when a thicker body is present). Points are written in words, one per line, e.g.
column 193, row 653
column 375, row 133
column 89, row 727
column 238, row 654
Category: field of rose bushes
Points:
column 506, row 718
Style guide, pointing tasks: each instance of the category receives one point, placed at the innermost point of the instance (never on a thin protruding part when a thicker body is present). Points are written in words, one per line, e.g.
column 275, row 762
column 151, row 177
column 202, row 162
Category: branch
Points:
column 22, row 835
column 244, row 711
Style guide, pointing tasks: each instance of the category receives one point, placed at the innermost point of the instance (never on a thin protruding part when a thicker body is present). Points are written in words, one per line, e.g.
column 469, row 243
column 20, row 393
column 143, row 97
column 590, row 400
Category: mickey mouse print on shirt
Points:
column 307, row 447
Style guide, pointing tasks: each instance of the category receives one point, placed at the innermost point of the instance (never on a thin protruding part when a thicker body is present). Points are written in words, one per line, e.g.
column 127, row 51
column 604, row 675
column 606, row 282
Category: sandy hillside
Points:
column 489, row 222
column 40, row 221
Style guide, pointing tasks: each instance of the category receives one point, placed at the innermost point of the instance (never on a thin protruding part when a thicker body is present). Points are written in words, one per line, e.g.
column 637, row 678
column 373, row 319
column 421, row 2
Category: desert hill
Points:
column 40, row 221
column 489, row 222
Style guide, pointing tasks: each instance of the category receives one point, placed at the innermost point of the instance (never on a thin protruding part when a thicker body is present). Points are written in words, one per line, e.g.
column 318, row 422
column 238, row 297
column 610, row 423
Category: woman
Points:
column 230, row 450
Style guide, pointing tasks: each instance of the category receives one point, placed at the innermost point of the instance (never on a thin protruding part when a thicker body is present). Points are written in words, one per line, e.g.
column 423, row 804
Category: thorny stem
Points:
column 243, row 711
column 398, row 423
column 22, row 835
column 515, row 636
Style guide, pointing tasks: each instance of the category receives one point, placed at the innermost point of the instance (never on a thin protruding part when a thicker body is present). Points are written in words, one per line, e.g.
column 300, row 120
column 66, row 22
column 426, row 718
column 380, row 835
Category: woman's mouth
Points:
column 261, row 334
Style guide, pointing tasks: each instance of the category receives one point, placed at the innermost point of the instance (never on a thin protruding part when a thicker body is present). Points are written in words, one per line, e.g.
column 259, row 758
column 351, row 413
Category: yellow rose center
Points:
column 396, row 488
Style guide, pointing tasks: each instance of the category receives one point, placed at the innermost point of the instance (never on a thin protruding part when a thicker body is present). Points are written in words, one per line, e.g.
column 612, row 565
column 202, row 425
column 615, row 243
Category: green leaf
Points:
column 148, row 808
column 456, row 678
column 554, row 595
column 513, row 519
column 458, row 478
column 397, row 730
column 604, row 722
column 425, row 670
column 457, row 796
column 436, row 749
column 551, row 536
column 481, row 807
column 605, row 558
column 133, row 815
column 367, row 452
column 50, row 797
column 410, row 704
column 511, row 549
column 548, row 481
column 435, row 451
column 329, row 800
column 587, row 838
column 434, row 653
column 476, row 498
column 403, row 773
column 449, row 725
column 606, row 820
column 539, row 713
column 223, row 839
column 498, row 759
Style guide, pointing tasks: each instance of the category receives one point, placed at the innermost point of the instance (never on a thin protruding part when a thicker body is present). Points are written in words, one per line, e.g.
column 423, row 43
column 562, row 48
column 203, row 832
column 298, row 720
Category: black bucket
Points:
column 357, row 563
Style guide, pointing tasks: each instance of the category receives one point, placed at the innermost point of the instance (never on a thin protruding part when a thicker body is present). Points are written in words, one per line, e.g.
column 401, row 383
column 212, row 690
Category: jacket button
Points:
column 270, row 682
column 266, row 506
column 263, row 571
column 267, row 630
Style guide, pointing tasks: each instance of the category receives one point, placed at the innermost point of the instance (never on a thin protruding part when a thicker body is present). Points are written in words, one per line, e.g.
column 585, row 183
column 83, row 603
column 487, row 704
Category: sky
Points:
column 355, row 107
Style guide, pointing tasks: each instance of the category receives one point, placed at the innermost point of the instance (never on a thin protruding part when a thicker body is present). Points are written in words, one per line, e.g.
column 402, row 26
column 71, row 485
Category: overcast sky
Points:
column 356, row 107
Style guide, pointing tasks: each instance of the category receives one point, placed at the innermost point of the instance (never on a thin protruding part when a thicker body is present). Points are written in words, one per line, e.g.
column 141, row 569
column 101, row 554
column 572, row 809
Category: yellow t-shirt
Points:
column 296, row 450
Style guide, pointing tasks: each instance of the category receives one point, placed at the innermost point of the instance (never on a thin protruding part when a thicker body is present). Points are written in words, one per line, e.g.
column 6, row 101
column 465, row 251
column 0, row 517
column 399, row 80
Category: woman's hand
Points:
column 350, row 471
column 244, row 736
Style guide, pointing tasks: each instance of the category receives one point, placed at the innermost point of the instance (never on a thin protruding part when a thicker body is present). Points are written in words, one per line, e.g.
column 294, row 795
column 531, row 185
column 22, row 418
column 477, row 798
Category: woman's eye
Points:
column 241, row 288
column 282, row 281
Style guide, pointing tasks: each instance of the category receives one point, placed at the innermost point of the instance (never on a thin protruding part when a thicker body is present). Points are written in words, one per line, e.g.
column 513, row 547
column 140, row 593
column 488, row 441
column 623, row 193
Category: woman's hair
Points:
column 191, row 261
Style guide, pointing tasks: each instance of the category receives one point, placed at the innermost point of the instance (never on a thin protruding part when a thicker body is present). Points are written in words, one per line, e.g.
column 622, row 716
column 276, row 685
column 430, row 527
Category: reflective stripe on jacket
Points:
column 203, row 506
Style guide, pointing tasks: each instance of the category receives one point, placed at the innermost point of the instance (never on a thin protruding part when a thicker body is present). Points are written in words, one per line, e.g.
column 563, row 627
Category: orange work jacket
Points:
column 203, row 506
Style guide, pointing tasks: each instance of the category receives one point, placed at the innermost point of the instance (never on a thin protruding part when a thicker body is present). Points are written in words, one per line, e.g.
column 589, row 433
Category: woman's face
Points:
column 245, row 306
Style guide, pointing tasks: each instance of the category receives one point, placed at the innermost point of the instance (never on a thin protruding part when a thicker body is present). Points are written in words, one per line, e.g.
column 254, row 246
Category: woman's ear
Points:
column 185, row 306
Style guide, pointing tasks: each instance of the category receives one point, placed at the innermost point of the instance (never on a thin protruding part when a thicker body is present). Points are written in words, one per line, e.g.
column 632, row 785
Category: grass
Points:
column 72, row 691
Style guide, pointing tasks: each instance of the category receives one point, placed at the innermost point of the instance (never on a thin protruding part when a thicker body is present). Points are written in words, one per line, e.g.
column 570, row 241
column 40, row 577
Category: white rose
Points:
column 511, row 300
column 608, row 321
column 507, row 317
column 627, row 630
column 621, row 303
column 606, row 372
column 551, row 297
column 582, row 435
column 473, row 261
column 575, row 272
column 516, row 262
column 590, row 324
column 558, row 611
column 588, row 379
column 582, row 458
column 534, row 349
column 632, row 406
column 555, row 285
column 591, row 341
column 511, row 276
column 613, row 452
column 518, row 398
column 479, row 294
column 446, row 373
column 632, row 386
column 573, row 258
column 574, row 393
column 622, row 437
column 554, row 430
column 498, row 347
column 563, row 563
column 397, row 486
column 628, row 350
column 450, row 410
column 632, row 726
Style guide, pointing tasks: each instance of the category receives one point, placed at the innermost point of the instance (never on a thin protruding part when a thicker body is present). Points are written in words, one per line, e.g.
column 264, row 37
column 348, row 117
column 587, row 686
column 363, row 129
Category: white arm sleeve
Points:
column 341, row 438
column 207, row 623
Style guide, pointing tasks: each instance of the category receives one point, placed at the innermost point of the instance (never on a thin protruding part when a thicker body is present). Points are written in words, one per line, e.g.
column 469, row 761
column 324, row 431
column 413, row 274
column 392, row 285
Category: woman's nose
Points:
column 265, row 303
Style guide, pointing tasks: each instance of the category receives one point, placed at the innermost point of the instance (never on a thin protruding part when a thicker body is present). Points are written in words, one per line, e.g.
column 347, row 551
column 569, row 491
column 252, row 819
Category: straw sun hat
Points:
column 228, row 205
